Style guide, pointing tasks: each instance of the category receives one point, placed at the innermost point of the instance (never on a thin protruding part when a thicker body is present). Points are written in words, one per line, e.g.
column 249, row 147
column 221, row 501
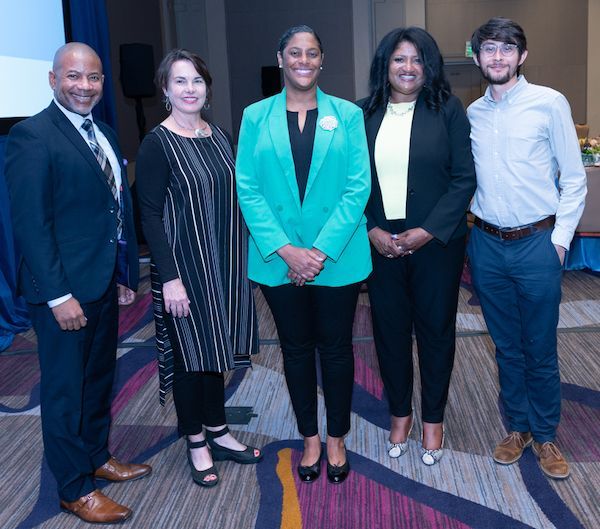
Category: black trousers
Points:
column 77, row 373
column 311, row 318
column 419, row 290
column 199, row 396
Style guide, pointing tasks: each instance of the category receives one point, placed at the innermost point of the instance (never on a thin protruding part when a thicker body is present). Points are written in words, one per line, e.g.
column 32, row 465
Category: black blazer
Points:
column 441, row 172
column 64, row 214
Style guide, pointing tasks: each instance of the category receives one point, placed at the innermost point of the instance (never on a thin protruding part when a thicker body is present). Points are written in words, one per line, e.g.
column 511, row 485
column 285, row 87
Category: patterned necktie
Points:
column 106, row 168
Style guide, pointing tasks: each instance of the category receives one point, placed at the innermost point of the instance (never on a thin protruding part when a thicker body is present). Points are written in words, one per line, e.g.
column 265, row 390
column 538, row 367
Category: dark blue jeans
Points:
column 518, row 284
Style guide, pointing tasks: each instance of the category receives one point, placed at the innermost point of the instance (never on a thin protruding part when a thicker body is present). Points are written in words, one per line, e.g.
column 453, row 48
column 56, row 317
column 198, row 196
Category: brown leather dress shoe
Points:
column 114, row 470
column 95, row 507
column 511, row 448
column 552, row 462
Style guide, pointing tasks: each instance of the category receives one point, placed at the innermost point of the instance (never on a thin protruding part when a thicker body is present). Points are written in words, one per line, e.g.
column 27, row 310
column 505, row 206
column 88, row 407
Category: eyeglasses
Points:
column 505, row 49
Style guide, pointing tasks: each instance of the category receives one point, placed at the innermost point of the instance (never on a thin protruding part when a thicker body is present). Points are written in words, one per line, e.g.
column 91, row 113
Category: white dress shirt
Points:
column 77, row 120
column 520, row 145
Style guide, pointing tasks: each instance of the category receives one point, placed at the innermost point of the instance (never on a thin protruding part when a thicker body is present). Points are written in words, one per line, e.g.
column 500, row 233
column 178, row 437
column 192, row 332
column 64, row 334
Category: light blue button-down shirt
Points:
column 520, row 144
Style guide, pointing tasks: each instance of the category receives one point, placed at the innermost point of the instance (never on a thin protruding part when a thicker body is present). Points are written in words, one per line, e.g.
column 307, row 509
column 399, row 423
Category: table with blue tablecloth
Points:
column 585, row 248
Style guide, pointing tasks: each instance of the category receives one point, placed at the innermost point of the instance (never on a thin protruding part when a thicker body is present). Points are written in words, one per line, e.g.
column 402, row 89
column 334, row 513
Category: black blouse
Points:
column 302, row 145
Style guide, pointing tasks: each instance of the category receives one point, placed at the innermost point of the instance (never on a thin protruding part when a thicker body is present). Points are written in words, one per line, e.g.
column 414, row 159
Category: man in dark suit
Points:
column 71, row 212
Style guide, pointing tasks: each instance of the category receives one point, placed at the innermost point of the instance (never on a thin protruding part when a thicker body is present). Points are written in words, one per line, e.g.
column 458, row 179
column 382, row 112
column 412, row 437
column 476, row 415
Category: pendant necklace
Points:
column 202, row 132
column 391, row 108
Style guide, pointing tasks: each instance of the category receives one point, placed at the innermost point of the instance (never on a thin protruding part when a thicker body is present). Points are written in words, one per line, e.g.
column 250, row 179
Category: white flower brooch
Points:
column 328, row 123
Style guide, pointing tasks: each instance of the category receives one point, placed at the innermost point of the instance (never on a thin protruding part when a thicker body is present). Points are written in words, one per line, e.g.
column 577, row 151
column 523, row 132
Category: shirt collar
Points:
column 76, row 119
column 509, row 94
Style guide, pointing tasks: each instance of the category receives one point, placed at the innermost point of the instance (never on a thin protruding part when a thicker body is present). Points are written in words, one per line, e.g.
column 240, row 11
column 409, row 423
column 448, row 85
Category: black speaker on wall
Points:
column 270, row 80
column 137, row 81
column 137, row 77
column 137, row 70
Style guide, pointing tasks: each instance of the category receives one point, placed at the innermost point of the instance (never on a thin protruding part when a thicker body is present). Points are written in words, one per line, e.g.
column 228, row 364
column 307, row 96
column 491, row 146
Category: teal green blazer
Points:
column 331, row 216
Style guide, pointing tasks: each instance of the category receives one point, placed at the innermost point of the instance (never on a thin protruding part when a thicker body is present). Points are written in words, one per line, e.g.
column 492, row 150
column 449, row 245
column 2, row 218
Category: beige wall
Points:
column 236, row 37
column 557, row 37
column 593, row 75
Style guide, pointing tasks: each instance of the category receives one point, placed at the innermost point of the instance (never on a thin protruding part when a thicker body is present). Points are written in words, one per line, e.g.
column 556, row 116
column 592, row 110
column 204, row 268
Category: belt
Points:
column 512, row 234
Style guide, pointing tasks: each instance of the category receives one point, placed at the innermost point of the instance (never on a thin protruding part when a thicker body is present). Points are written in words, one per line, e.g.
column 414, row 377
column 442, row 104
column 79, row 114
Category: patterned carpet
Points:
column 467, row 490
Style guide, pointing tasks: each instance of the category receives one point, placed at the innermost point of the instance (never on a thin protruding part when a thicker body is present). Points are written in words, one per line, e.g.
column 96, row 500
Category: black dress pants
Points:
column 77, row 372
column 199, row 396
column 311, row 318
column 420, row 290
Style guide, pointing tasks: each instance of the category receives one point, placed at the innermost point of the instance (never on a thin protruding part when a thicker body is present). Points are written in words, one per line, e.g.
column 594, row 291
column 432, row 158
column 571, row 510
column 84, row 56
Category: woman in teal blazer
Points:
column 303, row 180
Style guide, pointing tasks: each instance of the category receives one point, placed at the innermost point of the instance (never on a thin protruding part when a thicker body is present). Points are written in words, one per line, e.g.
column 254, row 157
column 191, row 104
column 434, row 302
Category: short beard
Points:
column 500, row 80
column 510, row 74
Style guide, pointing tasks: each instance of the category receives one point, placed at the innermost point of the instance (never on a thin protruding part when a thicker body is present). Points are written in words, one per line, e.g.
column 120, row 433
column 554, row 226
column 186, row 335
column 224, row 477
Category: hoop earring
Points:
column 206, row 105
column 168, row 105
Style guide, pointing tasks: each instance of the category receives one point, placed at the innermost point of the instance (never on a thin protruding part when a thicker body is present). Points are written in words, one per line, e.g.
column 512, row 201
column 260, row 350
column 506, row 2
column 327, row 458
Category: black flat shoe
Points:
column 199, row 475
column 221, row 453
column 310, row 473
column 337, row 474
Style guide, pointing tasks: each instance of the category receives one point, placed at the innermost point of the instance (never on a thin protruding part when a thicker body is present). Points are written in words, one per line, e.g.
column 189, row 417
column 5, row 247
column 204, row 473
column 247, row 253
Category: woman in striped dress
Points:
column 203, row 304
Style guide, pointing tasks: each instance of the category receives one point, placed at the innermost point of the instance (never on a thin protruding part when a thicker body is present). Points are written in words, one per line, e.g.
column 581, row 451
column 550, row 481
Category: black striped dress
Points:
column 195, row 231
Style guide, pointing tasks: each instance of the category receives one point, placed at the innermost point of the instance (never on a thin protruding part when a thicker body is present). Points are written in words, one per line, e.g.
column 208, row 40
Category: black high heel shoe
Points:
column 222, row 453
column 199, row 475
column 310, row 473
column 337, row 474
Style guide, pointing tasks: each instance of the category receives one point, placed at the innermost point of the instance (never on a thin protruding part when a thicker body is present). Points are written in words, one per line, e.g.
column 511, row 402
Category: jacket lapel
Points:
column 323, row 138
column 278, row 130
column 372, row 125
column 419, row 134
column 69, row 131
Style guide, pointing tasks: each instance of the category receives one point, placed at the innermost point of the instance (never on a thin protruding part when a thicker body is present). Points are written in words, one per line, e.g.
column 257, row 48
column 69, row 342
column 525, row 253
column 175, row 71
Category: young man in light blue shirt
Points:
column 525, row 217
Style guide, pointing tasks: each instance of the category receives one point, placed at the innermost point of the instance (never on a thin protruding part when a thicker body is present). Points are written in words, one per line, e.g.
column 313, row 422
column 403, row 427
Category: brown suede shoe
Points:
column 95, row 507
column 552, row 462
column 511, row 448
column 114, row 470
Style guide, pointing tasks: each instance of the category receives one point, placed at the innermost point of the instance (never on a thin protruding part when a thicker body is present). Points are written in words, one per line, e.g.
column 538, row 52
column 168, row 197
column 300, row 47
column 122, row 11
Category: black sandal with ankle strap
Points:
column 199, row 475
column 222, row 453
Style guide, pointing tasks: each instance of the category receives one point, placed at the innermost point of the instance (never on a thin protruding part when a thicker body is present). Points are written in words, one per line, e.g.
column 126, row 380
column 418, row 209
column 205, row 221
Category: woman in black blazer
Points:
column 423, row 180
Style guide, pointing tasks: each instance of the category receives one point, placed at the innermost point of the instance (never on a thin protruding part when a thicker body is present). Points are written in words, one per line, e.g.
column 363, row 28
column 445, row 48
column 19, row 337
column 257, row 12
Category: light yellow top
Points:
column 391, row 158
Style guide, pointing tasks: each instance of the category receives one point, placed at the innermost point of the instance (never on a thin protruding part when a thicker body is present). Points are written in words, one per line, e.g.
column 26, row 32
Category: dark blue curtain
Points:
column 13, row 314
column 89, row 24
